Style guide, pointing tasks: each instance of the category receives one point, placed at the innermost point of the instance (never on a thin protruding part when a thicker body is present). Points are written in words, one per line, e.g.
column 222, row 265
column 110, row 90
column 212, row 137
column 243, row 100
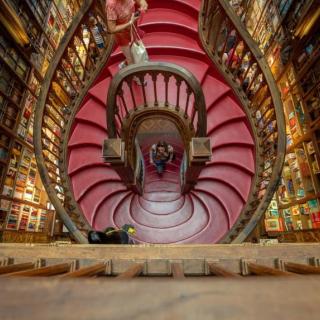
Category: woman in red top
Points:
column 120, row 16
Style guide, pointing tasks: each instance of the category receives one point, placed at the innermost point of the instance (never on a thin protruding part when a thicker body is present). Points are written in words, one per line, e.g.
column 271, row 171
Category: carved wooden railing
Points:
column 237, row 56
column 171, row 92
column 139, row 173
column 153, row 73
column 73, row 69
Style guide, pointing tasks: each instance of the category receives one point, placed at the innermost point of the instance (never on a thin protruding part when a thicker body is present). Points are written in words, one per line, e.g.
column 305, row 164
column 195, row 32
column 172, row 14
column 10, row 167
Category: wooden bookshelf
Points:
column 23, row 200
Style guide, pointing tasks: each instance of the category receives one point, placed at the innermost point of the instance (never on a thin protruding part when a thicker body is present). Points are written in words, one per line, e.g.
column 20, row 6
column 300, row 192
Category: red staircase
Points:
column 162, row 214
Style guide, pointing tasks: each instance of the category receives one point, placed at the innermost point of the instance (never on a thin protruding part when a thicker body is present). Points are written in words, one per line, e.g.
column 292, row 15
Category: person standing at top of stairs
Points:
column 121, row 15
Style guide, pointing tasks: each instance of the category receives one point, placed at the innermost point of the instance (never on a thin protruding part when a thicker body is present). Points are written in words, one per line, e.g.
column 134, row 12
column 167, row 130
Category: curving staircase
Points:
column 243, row 119
column 162, row 214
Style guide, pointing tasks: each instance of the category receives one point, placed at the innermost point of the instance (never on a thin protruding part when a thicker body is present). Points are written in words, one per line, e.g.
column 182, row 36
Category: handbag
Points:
column 138, row 50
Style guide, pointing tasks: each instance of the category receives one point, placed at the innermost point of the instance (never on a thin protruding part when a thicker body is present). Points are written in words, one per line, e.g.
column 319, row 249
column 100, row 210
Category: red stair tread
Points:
column 161, row 196
column 195, row 224
column 91, row 201
column 226, row 110
column 231, row 133
column 82, row 157
column 162, row 185
column 145, row 218
column 239, row 179
column 164, row 208
column 217, row 225
column 152, row 175
column 100, row 90
column 88, row 177
column 228, row 198
column 94, row 112
column 103, row 217
column 192, row 3
column 168, row 16
column 190, row 7
column 170, row 40
column 220, row 89
column 93, row 134
column 234, row 155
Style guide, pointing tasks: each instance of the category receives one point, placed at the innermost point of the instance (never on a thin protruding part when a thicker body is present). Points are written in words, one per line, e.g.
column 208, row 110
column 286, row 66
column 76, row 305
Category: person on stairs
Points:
column 120, row 17
column 161, row 154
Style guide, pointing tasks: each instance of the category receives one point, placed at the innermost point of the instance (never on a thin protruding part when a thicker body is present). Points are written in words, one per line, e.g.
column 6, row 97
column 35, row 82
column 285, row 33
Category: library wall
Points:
column 30, row 32
column 288, row 34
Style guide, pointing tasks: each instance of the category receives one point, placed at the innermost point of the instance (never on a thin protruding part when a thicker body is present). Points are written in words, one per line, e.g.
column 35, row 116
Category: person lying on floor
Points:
column 112, row 235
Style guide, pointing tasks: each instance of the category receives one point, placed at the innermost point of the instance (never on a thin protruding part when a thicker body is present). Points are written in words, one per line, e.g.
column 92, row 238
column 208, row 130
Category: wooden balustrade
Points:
column 185, row 107
column 75, row 65
column 156, row 75
column 236, row 54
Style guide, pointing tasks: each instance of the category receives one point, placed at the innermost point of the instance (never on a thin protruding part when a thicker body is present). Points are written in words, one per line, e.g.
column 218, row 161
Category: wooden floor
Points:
column 255, row 298
column 220, row 282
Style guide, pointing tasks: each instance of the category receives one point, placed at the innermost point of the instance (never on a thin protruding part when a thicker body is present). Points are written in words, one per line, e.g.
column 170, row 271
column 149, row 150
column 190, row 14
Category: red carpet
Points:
column 162, row 214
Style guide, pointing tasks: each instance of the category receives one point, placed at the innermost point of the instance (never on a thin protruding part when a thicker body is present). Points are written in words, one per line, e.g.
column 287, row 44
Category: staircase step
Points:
column 94, row 134
column 170, row 218
column 236, row 133
column 104, row 217
column 94, row 112
column 100, row 90
column 161, row 196
column 166, row 207
column 237, row 156
column 83, row 157
column 213, row 90
column 158, row 19
column 85, row 179
column 190, row 7
column 94, row 198
column 196, row 67
column 194, row 225
column 225, row 110
column 228, row 197
column 239, row 179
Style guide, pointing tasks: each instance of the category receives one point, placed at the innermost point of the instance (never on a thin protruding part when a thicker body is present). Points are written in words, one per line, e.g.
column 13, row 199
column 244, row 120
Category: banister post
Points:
column 115, row 154
column 199, row 154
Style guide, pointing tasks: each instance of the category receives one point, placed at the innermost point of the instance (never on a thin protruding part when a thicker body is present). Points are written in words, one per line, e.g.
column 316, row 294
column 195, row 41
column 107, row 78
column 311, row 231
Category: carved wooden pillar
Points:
column 199, row 154
column 114, row 153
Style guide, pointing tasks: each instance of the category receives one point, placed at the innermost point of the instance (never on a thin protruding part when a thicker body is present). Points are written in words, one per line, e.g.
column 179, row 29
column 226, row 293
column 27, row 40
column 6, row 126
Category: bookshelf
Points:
column 24, row 205
column 291, row 45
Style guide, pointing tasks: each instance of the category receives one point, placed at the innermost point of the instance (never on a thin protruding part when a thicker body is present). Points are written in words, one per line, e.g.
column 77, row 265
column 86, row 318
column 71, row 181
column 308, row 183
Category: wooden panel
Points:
column 222, row 272
column 16, row 267
column 25, row 237
column 90, row 271
column 177, row 271
column 164, row 298
column 43, row 272
column 260, row 270
column 132, row 272
column 301, row 268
